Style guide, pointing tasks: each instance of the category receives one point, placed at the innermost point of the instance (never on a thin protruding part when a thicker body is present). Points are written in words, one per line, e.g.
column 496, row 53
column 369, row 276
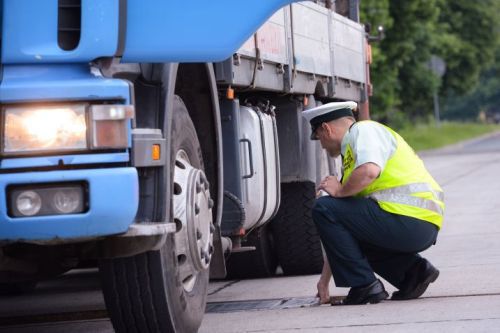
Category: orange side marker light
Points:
column 155, row 152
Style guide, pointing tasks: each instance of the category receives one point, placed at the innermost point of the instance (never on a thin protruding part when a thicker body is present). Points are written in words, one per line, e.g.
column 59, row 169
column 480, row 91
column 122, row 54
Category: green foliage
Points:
column 468, row 37
column 464, row 33
column 486, row 96
column 428, row 136
column 384, row 74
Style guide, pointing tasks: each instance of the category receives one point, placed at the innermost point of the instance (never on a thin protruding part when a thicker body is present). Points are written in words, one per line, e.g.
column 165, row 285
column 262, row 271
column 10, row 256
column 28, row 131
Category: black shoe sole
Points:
column 372, row 299
column 419, row 289
column 377, row 298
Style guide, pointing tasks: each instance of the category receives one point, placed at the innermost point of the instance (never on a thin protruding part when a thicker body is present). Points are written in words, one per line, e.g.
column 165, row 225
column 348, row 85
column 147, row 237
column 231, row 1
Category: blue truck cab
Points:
column 49, row 81
column 50, row 164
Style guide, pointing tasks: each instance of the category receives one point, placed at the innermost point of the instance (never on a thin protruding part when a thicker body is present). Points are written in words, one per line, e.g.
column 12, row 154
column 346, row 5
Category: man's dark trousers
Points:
column 360, row 238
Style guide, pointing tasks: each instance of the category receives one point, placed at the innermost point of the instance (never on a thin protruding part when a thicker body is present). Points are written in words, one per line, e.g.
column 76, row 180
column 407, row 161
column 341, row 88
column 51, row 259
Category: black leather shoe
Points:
column 374, row 293
column 416, row 281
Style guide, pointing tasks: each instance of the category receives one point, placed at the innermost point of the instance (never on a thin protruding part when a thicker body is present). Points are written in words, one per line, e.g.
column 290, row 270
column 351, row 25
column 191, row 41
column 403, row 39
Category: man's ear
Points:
column 328, row 129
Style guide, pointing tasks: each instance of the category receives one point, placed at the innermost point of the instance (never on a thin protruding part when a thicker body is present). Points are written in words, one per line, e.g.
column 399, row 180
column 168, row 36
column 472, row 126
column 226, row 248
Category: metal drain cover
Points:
column 270, row 304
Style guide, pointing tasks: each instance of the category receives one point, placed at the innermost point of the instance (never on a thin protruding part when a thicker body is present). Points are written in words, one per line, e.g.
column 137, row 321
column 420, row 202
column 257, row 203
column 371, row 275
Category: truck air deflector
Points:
column 30, row 31
column 192, row 31
column 104, row 216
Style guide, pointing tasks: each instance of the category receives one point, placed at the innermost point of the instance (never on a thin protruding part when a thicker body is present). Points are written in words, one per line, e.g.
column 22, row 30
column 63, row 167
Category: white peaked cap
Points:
column 327, row 112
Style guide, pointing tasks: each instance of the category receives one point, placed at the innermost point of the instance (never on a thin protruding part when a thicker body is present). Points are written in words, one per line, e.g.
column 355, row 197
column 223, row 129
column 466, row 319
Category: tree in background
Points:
column 383, row 72
column 413, row 39
column 463, row 32
column 485, row 97
column 472, row 83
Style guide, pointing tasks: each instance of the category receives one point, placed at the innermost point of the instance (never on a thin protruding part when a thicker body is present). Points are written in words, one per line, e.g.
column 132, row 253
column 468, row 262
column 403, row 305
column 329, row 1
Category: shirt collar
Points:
column 345, row 139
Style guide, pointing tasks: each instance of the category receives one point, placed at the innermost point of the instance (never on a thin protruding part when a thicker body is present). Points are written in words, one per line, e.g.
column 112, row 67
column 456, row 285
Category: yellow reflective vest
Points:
column 404, row 187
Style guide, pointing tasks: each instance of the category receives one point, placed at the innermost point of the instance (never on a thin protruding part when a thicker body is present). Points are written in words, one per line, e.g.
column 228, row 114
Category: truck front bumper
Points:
column 113, row 198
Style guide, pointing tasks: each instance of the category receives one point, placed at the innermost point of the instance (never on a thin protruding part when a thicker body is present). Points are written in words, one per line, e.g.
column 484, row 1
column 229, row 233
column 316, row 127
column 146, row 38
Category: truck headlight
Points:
column 72, row 127
column 32, row 129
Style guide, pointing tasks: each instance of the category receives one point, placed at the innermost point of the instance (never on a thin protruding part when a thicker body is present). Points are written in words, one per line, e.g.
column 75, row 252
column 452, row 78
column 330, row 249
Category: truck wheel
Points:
column 262, row 262
column 297, row 242
column 165, row 290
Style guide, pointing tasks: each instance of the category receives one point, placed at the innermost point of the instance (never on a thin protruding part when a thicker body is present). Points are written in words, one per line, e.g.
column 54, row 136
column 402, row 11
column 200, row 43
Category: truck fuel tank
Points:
column 251, row 164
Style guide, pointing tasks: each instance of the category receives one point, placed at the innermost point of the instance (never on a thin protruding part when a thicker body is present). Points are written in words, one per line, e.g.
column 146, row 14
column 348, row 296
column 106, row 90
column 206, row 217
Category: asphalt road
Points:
column 465, row 298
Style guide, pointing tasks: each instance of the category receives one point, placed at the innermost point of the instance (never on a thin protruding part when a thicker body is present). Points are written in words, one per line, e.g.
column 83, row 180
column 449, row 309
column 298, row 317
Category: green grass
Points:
column 429, row 136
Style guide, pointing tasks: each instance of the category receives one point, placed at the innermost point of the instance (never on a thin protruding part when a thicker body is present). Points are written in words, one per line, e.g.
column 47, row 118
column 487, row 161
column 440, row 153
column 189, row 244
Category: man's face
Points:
column 326, row 134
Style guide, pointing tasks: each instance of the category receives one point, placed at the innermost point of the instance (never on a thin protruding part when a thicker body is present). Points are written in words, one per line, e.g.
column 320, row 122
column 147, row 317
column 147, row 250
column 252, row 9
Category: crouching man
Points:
column 385, row 210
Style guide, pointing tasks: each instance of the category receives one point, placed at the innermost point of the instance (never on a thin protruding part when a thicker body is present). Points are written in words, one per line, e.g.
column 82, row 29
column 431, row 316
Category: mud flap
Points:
column 217, row 264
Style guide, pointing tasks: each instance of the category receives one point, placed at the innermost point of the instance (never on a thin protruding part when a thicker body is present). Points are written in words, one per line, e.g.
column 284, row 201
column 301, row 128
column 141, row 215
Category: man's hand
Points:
column 324, row 283
column 330, row 185
column 360, row 178
column 323, row 292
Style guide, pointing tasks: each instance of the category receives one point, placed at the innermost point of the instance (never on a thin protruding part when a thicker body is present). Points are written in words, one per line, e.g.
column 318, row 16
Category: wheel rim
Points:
column 193, row 217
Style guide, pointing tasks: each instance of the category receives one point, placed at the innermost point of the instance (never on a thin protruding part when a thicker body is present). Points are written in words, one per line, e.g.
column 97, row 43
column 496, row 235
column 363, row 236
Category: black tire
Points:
column 144, row 293
column 296, row 240
column 262, row 262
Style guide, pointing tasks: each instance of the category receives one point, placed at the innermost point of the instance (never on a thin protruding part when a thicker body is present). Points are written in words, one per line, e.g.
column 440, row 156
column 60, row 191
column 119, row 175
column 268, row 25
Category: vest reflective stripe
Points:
column 408, row 200
column 412, row 189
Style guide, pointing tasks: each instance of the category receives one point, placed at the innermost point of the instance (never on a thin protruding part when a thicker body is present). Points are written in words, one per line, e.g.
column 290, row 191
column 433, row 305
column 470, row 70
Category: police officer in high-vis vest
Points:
column 384, row 211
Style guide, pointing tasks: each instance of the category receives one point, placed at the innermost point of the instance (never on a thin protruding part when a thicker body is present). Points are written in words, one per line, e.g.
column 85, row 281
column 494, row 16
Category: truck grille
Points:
column 69, row 24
